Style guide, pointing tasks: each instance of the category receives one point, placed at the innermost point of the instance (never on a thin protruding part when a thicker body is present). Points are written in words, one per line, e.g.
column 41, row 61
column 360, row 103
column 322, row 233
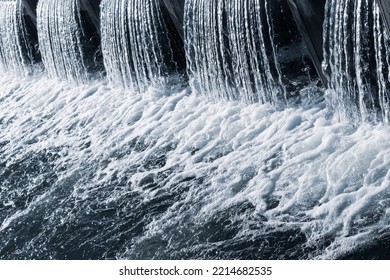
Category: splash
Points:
column 92, row 171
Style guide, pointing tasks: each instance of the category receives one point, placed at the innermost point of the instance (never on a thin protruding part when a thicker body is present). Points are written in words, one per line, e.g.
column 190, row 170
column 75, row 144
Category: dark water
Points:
column 92, row 172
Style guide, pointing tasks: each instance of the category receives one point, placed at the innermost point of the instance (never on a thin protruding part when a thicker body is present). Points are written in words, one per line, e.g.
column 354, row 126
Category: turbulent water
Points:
column 153, row 169
column 96, row 172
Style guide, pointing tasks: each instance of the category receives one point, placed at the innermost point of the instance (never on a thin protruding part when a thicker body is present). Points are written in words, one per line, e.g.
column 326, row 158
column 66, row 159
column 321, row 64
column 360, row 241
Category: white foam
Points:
column 331, row 178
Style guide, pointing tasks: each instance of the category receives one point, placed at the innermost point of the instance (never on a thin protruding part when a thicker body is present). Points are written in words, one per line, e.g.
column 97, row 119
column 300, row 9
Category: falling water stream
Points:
column 132, row 161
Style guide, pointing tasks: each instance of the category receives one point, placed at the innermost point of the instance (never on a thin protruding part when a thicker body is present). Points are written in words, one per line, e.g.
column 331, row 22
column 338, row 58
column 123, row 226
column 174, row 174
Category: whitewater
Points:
column 94, row 171
column 194, row 129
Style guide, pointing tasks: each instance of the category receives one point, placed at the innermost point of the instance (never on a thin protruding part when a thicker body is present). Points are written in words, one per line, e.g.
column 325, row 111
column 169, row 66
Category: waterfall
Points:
column 227, row 57
column 139, row 43
column 68, row 39
column 149, row 170
column 237, row 50
column 382, row 59
column 356, row 60
column 18, row 48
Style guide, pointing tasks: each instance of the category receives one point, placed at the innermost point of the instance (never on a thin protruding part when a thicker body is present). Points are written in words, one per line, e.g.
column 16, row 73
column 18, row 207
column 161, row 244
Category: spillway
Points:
column 140, row 43
column 69, row 38
column 18, row 36
column 250, row 51
column 357, row 66
column 194, row 129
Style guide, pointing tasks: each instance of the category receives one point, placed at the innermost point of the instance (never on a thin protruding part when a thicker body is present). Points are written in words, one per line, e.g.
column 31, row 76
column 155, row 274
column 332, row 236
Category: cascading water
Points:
column 356, row 60
column 382, row 59
column 140, row 45
column 18, row 46
column 226, row 50
column 237, row 50
column 92, row 171
column 68, row 39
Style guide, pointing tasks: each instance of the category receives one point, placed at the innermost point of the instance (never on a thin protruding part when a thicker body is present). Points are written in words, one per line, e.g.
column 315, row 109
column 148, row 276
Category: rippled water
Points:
column 97, row 172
